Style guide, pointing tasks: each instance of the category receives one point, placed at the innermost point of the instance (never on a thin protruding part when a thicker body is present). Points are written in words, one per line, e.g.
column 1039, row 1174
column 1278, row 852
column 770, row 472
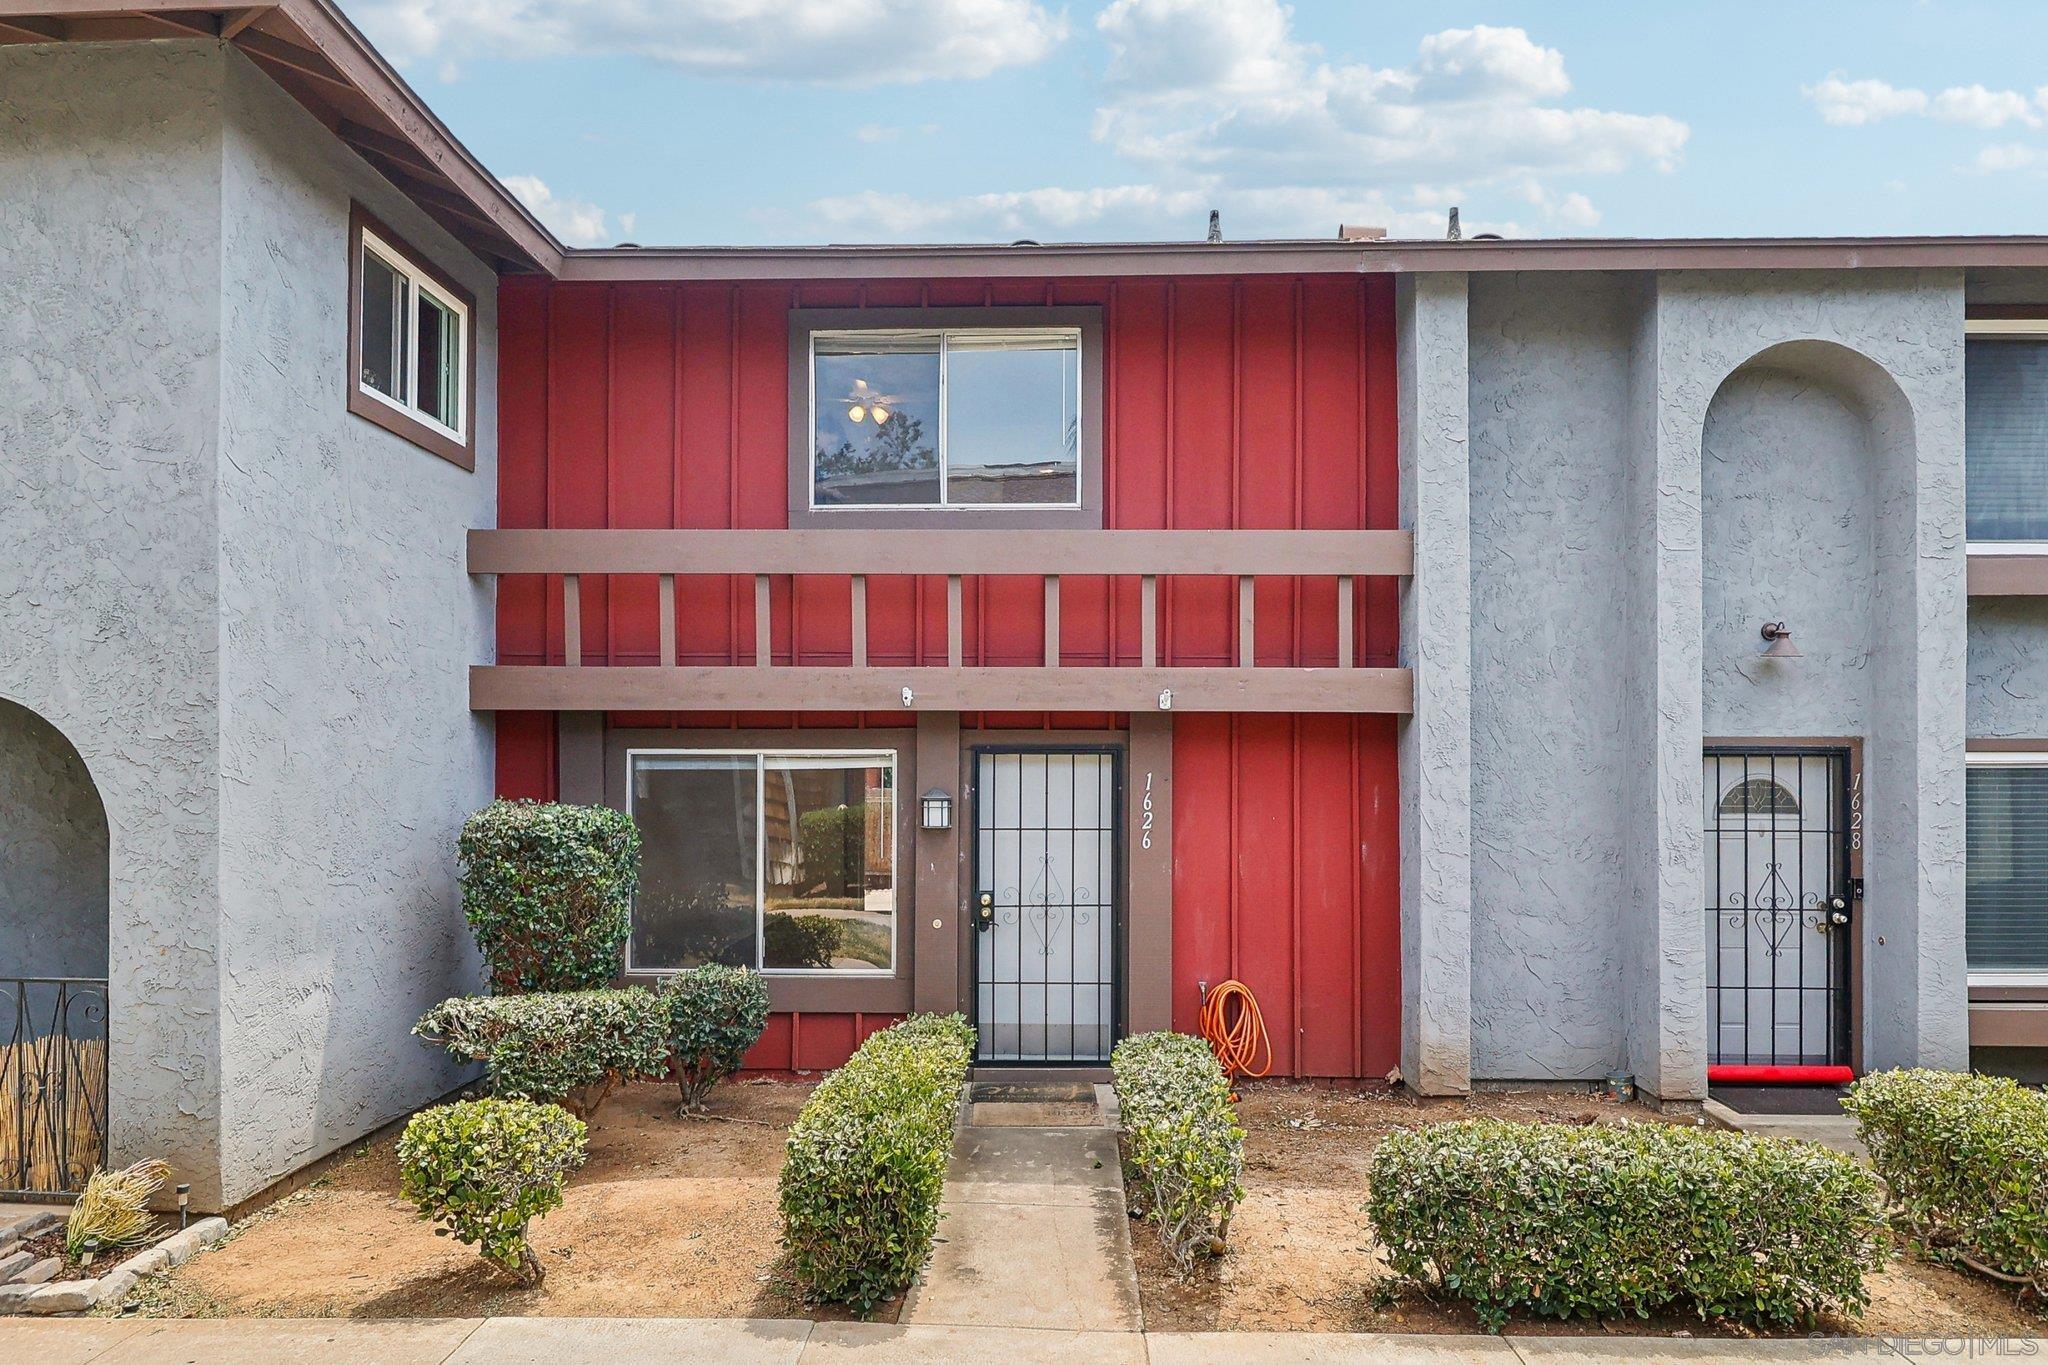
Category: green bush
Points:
column 867, row 1162
column 715, row 1014
column 548, row 890
column 567, row 1047
column 1635, row 1219
column 801, row 940
column 484, row 1169
column 1182, row 1141
column 1965, row 1163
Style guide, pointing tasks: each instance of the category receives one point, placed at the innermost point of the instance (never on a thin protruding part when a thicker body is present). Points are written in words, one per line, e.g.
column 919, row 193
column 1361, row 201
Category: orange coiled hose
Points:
column 1235, row 1031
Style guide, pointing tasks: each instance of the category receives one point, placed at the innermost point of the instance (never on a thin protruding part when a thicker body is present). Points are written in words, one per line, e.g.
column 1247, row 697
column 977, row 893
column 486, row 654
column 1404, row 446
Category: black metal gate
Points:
column 53, row 1083
column 1048, row 865
column 1780, row 908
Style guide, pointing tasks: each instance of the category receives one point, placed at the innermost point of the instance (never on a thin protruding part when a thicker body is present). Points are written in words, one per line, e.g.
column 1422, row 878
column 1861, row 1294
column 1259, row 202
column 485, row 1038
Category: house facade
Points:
column 1515, row 661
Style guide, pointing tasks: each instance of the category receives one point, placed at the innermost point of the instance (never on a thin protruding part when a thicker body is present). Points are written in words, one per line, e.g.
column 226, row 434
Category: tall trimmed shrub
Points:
column 1965, row 1164
column 867, row 1162
column 1627, row 1221
column 548, row 889
column 1182, row 1141
column 484, row 1169
column 564, row 1047
column 715, row 1013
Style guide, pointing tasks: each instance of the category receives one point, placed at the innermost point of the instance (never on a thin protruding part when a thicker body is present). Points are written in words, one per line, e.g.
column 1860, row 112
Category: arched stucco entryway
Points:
column 53, row 959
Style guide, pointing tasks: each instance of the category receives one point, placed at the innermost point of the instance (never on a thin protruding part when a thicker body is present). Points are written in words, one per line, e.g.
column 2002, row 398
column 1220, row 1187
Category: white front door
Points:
column 1778, row 908
column 1046, row 873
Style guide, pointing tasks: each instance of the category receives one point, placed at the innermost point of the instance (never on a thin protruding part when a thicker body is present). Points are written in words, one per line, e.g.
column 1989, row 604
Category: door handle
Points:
column 985, row 912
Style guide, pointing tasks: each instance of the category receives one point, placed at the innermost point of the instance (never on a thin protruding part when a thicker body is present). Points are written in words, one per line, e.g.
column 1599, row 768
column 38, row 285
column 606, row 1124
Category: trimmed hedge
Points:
column 566, row 1047
column 1965, row 1163
column 867, row 1162
column 484, row 1169
column 1182, row 1140
column 548, row 889
column 801, row 940
column 1627, row 1220
column 715, row 1013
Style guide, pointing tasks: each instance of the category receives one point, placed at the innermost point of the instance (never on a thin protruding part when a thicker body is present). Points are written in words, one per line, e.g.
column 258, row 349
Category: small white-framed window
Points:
column 965, row 418
column 2006, row 867
column 775, row 859
column 2005, row 434
column 411, row 342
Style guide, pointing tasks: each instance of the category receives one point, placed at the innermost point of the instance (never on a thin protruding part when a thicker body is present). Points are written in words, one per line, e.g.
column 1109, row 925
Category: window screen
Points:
column 2005, row 440
column 2007, row 898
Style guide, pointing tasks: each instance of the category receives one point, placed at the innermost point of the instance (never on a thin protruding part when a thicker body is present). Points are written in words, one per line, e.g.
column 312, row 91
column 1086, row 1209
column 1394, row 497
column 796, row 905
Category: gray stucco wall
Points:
column 2008, row 690
column 1659, row 464
column 110, row 236
column 1553, row 560
column 349, row 754
column 53, row 854
column 245, row 607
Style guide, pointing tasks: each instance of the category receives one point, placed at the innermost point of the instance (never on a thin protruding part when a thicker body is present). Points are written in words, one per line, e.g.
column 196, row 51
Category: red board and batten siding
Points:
column 1262, row 402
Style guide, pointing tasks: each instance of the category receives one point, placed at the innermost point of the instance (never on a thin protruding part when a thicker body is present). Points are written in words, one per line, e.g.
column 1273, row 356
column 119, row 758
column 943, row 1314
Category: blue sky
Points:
column 745, row 121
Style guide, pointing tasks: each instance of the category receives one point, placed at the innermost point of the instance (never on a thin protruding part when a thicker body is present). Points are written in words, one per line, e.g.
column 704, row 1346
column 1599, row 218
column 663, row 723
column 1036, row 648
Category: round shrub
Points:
column 548, row 890
column 1964, row 1160
column 801, row 940
column 715, row 1013
column 867, row 1162
column 1182, row 1140
column 484, row 1169
column 567, row 1047
column 1627, row 1220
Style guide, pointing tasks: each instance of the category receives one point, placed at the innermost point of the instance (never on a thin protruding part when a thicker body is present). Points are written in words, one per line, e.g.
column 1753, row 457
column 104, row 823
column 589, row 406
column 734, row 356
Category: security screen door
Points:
column 1779, row 915
column 1047, row 867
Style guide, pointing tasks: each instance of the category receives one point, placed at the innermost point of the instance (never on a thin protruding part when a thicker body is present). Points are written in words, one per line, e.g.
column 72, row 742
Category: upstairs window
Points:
column 2005, row 902
column 410, row 345
column 967, row 417
column 2005, row 428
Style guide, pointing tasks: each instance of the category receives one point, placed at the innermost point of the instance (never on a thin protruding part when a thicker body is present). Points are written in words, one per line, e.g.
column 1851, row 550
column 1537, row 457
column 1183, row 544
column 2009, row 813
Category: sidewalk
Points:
column 658, row 1341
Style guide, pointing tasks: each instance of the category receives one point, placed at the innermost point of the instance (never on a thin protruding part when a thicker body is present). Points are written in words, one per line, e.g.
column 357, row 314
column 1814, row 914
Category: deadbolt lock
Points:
column 985, row 911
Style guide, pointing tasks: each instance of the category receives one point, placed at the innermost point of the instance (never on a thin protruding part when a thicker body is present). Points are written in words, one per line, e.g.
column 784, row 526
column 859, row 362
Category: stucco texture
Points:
column 245, row 607
column 53, row 854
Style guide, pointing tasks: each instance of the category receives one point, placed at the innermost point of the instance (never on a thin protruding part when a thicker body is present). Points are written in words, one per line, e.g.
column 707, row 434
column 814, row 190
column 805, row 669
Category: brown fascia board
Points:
column 1110, row 259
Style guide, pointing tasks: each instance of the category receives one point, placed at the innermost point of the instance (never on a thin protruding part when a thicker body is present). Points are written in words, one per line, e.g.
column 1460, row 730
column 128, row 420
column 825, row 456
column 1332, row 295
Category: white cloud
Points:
column 2009, row 156
column 1848, row 103
column 1981, row 108
column 575, row 221
column 828, row 42
column 1218, row 104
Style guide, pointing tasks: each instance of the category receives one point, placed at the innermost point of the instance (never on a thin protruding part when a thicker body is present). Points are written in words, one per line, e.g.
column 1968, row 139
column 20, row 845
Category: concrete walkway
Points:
column 1034, row 1233
column 660, row 1341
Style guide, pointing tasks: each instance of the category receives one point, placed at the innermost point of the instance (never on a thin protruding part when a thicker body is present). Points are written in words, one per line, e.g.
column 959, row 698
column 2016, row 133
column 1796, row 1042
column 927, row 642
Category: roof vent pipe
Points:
column 1215, row 225
column 1456, row 232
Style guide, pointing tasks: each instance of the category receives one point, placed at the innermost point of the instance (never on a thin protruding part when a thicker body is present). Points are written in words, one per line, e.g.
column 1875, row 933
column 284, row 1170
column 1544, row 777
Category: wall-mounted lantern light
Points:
column 1778, row 641
column 937, row 808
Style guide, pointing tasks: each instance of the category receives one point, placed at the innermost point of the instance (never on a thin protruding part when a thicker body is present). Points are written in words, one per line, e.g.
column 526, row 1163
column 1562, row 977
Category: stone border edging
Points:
column 76, row 1296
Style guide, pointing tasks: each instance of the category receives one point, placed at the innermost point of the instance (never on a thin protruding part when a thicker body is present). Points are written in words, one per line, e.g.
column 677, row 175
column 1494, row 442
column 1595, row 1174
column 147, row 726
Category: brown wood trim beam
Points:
column 2008, row 1023
column 396, row 150
column 302, row 60
column 33, row 30
column 2016, row 575
column 188, row 23
column 232, row 25
column 724, row 688
column 943, row 553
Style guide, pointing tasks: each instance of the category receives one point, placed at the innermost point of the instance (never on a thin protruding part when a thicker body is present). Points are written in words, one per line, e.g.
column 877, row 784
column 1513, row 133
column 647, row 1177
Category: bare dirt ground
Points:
column 1301, row 1256
column 669, row 1217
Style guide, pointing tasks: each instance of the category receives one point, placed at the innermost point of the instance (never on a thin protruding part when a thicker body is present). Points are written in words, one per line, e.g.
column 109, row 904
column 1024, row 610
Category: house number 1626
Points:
column 1145, row 818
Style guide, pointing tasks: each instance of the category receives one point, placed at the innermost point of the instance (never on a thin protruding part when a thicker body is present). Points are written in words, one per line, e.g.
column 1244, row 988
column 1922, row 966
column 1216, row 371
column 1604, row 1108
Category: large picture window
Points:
column 2006, row 897
column 410, row 347
column 946, row 418
column 2005, row 429
column 780, row 861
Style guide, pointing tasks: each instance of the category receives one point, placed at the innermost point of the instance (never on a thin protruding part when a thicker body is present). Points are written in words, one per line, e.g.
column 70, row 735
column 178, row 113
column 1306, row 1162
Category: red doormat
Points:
column 1779, row 1075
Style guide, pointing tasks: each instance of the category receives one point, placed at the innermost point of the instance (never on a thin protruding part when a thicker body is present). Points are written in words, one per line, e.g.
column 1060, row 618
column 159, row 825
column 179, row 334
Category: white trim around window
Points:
column 2006, row 329
column 839, row 758
column 420, row 285
column 2003, row 758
